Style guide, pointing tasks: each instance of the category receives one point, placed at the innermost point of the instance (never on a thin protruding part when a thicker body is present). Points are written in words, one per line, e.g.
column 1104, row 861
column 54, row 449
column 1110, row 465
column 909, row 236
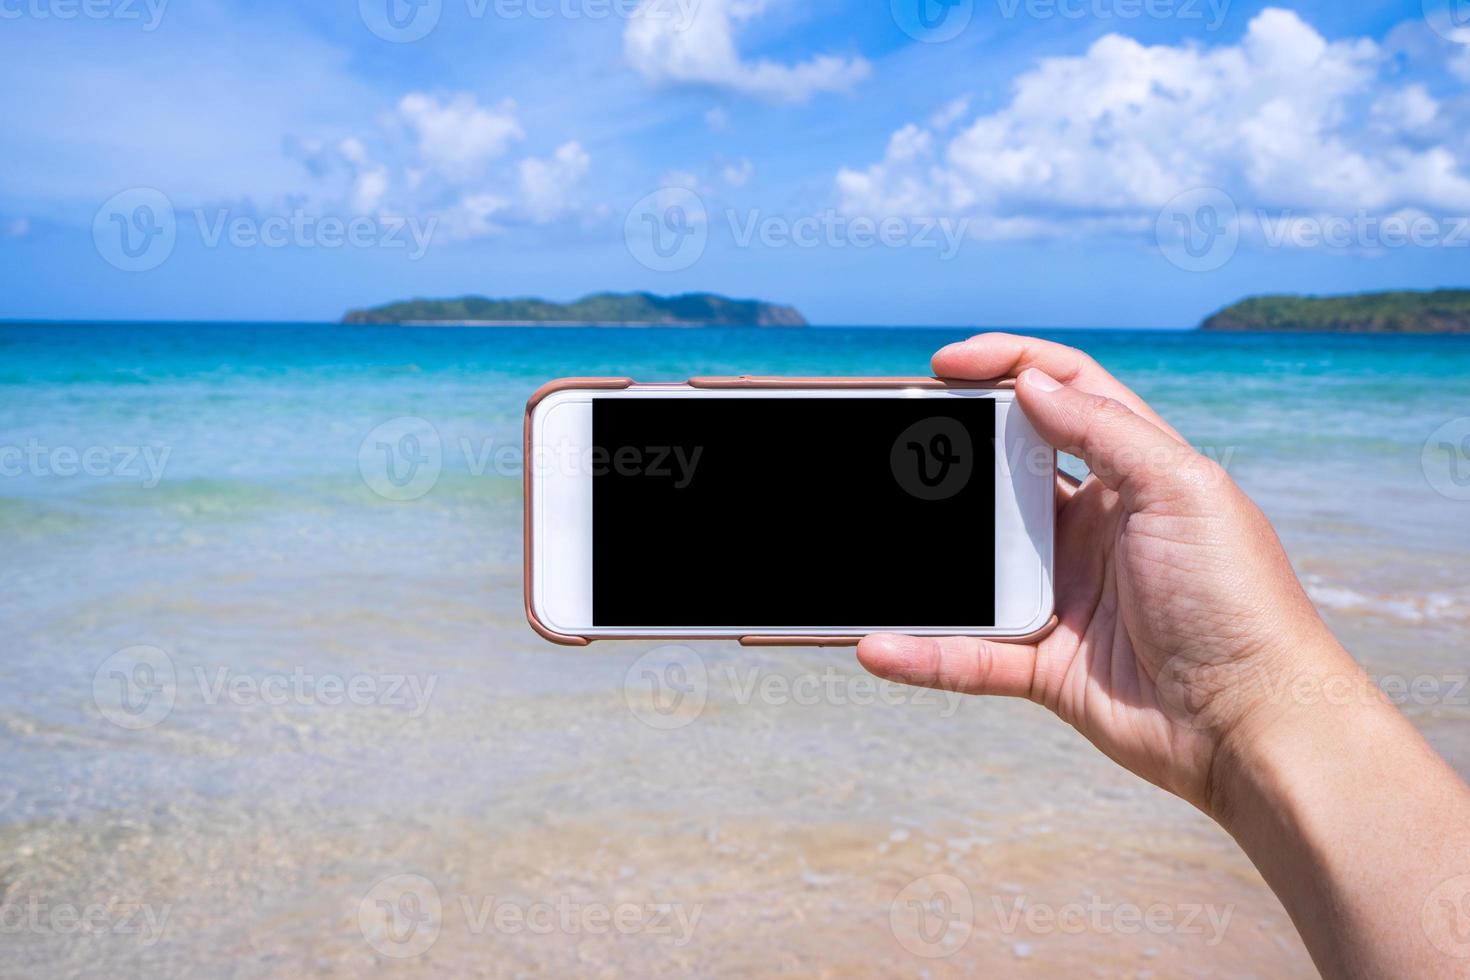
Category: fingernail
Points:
column 1040, row 380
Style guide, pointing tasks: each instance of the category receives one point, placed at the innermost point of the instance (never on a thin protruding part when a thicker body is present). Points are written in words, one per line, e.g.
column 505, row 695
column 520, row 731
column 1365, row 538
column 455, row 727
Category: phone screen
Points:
column 791, row 512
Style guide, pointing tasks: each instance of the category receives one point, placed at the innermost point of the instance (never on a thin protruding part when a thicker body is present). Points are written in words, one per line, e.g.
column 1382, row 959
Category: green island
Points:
column 1438, row 311
column 598, row 309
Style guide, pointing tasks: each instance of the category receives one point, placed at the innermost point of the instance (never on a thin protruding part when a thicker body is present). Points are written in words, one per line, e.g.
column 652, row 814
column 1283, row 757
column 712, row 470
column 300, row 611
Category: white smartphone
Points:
column 785, row 510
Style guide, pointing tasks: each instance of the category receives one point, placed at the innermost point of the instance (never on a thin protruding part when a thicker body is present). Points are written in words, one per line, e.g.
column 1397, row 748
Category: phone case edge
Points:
column 739, row 381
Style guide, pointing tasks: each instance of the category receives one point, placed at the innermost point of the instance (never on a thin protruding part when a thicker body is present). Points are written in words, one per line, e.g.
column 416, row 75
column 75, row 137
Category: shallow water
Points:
column 250, row 797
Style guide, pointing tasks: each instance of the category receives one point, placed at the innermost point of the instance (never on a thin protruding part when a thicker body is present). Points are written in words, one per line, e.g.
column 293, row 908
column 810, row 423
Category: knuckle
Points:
column 1201, row 476
column 1101, row 415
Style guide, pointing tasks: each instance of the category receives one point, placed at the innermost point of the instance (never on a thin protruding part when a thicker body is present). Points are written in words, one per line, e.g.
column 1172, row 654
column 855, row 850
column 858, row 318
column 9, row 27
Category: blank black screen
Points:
column 793, row 512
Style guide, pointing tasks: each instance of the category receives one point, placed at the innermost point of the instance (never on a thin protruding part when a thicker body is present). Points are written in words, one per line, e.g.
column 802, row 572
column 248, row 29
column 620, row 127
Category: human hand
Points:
column 1179, row 611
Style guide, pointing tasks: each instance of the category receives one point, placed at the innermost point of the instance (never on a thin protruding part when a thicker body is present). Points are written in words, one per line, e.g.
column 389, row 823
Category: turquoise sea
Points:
column 243, row 681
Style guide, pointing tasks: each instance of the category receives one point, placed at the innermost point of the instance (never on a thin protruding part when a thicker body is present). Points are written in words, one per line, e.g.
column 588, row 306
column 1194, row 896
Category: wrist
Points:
column 1315, row 714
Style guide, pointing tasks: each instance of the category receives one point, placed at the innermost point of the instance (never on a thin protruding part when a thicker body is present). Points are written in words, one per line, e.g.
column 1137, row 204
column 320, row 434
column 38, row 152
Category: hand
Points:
column 1188, row 652
column 1179, row 611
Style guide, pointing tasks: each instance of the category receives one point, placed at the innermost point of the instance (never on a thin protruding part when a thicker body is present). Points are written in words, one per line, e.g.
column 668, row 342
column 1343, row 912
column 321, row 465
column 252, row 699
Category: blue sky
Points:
column 967, row 162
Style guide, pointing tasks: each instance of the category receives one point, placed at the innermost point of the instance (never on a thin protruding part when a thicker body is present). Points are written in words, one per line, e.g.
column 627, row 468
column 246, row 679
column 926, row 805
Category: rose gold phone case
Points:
column 743, row 381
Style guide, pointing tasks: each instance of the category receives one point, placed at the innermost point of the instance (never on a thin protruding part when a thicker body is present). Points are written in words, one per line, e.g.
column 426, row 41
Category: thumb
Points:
column 1128, row 453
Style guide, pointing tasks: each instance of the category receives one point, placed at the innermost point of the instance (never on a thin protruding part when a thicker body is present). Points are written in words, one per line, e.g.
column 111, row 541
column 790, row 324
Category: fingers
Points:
column 1126, row 451
column 1003, row 355
column 951, row 663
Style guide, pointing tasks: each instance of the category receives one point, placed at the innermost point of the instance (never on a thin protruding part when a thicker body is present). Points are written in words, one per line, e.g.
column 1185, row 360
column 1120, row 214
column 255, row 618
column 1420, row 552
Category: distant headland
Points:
column 1439, row 311
column 598, row 309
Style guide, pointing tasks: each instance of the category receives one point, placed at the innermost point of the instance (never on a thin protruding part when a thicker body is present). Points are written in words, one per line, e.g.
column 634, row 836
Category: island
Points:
column 1437, row 311
column 598, row 309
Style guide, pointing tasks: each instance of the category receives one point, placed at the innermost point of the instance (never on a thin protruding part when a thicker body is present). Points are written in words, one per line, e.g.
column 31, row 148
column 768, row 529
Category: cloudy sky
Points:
column 958, row 162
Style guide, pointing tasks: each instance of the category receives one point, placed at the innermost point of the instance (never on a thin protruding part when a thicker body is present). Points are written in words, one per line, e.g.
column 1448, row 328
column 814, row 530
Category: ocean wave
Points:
column 1425, row 607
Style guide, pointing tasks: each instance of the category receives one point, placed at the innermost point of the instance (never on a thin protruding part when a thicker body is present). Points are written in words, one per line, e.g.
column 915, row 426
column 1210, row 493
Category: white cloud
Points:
column 547, row 185
column 738, row 174
column 951, row 113
column 1103, row 140
column 701, row 50
column 450, row 160
column 1460, row 64
column 1410, row 109
column 458, row 135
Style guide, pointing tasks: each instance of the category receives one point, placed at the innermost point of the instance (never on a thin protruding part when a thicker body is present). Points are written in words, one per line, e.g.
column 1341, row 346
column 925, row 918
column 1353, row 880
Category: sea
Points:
column 269, row 707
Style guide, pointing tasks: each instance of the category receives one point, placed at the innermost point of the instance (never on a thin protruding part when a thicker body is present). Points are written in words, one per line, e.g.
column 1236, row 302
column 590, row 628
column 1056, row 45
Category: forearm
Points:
column 1356, row 824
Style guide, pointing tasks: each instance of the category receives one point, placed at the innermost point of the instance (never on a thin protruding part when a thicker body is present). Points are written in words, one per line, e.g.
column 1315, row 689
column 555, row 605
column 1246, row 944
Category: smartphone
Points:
column 785, row 510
